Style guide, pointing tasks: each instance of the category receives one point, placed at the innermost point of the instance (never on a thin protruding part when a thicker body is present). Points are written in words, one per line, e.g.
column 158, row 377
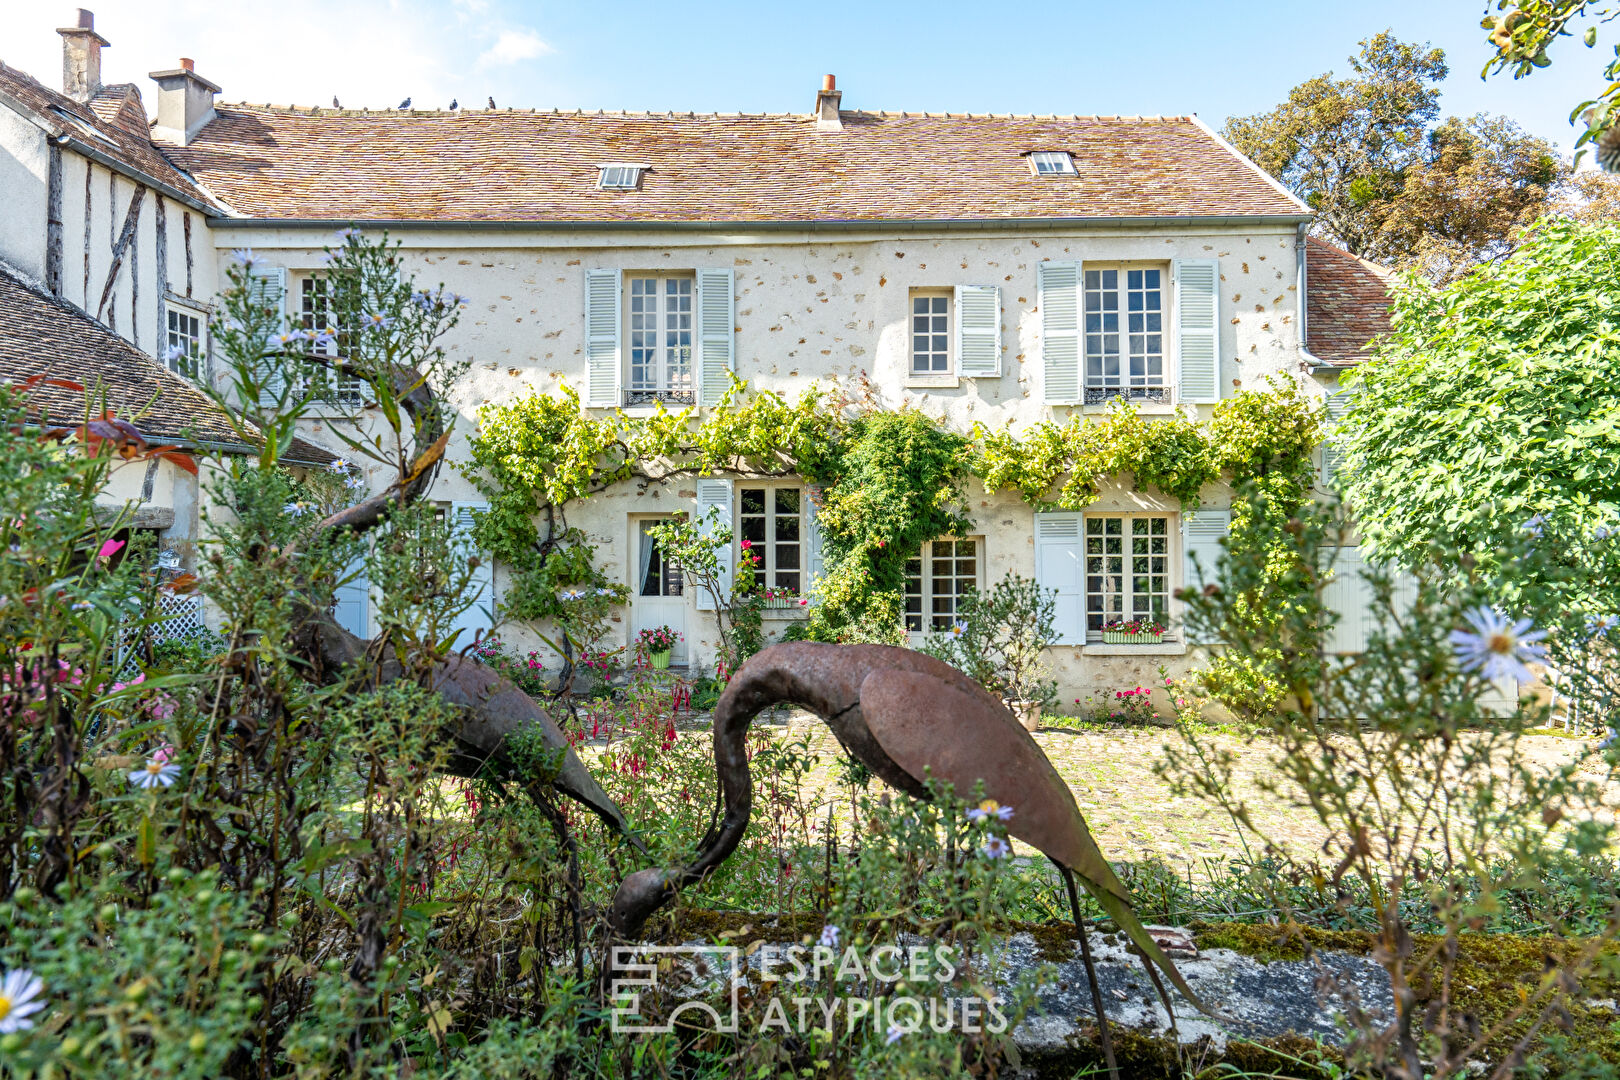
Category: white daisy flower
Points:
column 294, row 509
column 19, row 993
column 829, row 936
column 157, row 772
column 341, row 465
column 1498, row 649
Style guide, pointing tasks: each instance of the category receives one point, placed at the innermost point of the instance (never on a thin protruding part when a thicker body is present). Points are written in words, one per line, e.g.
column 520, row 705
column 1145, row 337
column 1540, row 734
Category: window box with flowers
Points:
column 1134, row 632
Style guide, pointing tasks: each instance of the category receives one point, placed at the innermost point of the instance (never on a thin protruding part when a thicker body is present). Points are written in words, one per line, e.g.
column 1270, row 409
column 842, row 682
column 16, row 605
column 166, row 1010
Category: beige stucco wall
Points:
column 831, row 308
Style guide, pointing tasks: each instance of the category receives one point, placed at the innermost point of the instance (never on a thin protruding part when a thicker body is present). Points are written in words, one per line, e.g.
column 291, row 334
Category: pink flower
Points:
column 109, row 548
column 746, row 544
column 804, row 603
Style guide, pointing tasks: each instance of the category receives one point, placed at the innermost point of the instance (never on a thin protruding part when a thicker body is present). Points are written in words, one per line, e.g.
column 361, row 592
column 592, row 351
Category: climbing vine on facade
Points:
column 884, row 481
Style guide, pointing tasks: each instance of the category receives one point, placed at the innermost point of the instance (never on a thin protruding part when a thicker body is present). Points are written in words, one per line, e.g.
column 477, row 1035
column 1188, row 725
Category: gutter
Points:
column 810, row 225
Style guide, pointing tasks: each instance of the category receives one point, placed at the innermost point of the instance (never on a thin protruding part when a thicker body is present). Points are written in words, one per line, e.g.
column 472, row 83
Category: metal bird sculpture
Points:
column 405, row 104
column 905, row 716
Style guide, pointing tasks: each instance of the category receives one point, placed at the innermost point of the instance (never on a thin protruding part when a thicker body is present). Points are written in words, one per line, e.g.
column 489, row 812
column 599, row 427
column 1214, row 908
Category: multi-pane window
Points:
column 1127, row 569
column 771, row 520
column 658, row 311
column 184, row 347
column 317, row 310
column 1052, row 163
column 658, row 575
column 619, row 177
column 1125, row 334
column 930, row 333
column 936, row 580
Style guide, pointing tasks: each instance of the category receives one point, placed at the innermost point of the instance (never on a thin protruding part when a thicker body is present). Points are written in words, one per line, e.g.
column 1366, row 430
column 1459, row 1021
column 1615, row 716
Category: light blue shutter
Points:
column 480, row 617
column 1347, row 594
column 1201, row 552
column 715, row 495
column 351, row 600
column 602, row 289
column 1198, row 332
column 1337, row 404
column 1059, row 299
column 812, row 544
column 267, row 285
column 716, row 335
column 1060, row 566
column 978, row 331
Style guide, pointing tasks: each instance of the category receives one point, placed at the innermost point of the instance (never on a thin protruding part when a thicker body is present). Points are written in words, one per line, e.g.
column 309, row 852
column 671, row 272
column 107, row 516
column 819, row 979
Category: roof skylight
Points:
column 619, row 177
column 1052, row 163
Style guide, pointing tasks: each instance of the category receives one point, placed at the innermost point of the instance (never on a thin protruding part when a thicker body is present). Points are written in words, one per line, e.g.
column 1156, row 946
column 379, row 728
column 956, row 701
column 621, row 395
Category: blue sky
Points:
column 1217, row 59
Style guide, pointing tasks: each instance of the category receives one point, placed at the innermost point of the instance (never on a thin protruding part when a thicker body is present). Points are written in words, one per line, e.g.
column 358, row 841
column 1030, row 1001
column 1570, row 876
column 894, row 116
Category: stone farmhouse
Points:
column 993, row 269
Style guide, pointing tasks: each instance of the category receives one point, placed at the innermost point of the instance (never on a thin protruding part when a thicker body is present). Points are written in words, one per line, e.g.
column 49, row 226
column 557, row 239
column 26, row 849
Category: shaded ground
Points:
column 1130, row 808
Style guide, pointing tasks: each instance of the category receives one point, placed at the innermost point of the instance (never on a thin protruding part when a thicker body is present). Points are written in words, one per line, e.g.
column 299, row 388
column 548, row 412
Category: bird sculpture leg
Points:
column 907, row 717
column 559, row 826
column 1103, row 1036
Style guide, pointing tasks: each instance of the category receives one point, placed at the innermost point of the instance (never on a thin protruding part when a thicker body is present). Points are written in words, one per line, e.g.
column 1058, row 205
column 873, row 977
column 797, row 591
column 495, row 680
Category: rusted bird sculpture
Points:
column 905, row 716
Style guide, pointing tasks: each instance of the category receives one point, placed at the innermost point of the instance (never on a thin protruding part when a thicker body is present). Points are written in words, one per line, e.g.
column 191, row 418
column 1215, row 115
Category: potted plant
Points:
column 999, row 639
column 1134, row 632
column 658, row 643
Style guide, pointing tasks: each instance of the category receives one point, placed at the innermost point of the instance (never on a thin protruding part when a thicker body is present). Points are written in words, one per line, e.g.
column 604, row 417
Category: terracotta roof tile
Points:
column 113, row 123
column 40, row 334
column 1347, row 303
column 480, row 165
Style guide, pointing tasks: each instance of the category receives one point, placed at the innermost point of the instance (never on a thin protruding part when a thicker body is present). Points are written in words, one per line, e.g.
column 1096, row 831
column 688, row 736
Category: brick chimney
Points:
column 81, row 57
column 827, row 105
column 185, row 103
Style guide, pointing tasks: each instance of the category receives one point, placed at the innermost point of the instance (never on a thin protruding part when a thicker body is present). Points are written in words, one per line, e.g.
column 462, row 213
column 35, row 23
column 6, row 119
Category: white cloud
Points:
column 368, row 53
column 513, row 46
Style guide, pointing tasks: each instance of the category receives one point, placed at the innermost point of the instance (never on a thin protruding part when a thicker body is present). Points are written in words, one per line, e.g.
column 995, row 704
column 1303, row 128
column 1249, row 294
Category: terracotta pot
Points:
column 1028, row 713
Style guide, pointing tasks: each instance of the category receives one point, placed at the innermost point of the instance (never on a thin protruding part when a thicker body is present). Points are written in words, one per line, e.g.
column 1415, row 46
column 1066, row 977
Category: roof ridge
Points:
column 692, row 114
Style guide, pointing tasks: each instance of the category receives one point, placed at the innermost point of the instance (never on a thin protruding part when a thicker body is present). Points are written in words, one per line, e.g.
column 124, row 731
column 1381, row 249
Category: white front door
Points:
column 657, row 590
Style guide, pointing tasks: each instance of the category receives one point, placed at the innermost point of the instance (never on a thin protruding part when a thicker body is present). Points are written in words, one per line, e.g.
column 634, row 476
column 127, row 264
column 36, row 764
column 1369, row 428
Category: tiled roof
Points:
column 491, row 165
column 1347, row 303
column 40, row 334
column 113, row 123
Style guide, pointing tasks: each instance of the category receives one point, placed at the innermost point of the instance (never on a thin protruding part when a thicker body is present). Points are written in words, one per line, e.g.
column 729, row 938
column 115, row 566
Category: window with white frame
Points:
column 658, row 327
column 770, row 520
column 930, row 332
column 619, row 177
column 1128, row 562
column 317, row 310
column 1124, row 330
column 183, row 350
column 936, row 581
column 1052, row 163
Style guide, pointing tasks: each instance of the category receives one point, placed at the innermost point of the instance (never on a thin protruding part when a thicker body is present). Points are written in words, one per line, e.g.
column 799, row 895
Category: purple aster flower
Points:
column 829, row 936
column 996, row 848
column 246, row 257
column 1498, row 648
column 896, row 1033
column 376, row 320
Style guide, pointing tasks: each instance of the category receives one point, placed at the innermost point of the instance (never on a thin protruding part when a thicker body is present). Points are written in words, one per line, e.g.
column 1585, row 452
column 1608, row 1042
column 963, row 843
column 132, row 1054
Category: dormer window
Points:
column 619, row 177
column 1051, row 163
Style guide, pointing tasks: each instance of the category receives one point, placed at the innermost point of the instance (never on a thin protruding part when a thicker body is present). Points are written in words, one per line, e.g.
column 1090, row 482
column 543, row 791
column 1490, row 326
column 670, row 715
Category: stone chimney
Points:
column 81, row 57
column 185, row 103
column 827, row 105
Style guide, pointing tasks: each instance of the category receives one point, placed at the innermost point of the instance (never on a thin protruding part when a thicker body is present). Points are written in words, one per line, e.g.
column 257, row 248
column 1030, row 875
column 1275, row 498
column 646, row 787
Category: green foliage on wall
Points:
column 888, row 480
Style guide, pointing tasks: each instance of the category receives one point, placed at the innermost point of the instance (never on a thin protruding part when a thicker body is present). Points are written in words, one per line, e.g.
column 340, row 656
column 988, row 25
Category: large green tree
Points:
column 1494, row 407
column 1388, row 179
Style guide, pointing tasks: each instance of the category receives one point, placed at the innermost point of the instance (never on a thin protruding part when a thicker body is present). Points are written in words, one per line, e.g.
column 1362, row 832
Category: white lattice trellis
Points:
column 177, row 618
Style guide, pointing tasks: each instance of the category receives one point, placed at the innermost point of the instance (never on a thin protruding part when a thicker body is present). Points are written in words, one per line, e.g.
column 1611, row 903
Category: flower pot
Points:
column 659, row 660
column 1028, row 713
column 1115, row 637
